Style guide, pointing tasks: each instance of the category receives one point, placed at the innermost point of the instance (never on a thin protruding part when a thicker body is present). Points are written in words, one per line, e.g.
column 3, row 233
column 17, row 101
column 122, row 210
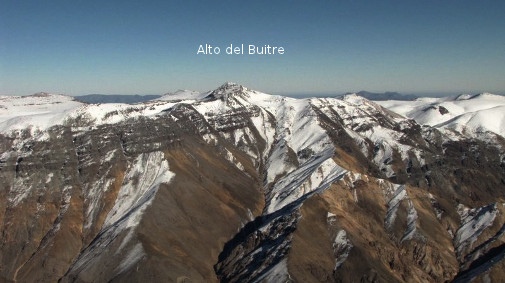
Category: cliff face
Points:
column 240, row 186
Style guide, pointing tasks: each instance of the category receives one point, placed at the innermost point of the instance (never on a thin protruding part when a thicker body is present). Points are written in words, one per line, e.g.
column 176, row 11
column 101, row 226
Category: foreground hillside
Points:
column 235, row 185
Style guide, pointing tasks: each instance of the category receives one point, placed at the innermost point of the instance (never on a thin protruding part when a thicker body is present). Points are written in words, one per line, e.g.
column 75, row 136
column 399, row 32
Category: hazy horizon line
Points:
column 288, row 93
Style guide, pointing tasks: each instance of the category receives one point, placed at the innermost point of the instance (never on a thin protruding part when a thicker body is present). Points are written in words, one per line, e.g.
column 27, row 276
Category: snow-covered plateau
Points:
column 465, row 114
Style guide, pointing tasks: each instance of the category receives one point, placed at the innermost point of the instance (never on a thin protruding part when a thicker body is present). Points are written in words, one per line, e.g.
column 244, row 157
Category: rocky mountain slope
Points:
column 235, row 185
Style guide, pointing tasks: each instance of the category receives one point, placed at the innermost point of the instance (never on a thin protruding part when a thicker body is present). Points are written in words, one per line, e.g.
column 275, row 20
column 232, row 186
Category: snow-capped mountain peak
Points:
column 229, row 90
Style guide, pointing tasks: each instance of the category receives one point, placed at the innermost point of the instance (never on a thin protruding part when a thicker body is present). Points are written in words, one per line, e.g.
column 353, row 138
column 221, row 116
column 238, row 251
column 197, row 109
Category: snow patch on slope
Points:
column 393, row 205
column 266, row 130
column 341, row 248
column 144, row 176
column 278, row 163
column 278, row 273
column 140, row 184
column 473, row 222
column 399, row 195
column 297, row 129
column 352, row 179
column 436, row 206
column 132, row 257
column 315, row 175
column 411, row 222
column 229, row 156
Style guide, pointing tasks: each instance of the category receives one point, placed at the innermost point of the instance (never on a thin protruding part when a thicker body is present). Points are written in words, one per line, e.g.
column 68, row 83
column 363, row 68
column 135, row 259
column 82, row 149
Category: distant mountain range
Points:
column 115, row 98
column 132, row 99
column 388, row 95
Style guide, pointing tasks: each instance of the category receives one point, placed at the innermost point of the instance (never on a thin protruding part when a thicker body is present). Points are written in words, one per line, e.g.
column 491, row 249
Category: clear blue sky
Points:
column 149, row 47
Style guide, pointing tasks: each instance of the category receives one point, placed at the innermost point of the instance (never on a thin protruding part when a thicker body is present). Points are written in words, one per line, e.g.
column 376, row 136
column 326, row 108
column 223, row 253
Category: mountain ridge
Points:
column 237, row 185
